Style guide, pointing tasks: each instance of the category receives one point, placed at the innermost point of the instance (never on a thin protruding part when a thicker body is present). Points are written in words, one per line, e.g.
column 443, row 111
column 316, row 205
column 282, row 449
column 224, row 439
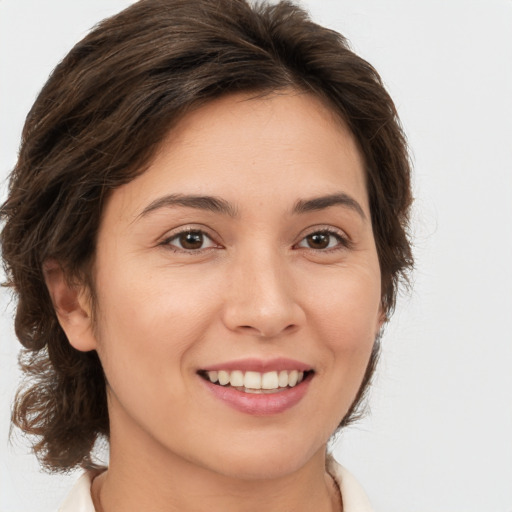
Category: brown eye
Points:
column 318, row 240
column 190, row 241
column 321, row 240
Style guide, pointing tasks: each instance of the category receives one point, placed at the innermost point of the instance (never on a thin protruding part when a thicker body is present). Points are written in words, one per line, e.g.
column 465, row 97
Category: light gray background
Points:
column 439, row 435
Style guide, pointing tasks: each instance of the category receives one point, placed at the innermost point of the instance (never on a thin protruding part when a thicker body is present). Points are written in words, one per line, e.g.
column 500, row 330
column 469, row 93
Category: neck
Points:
column 146, row 476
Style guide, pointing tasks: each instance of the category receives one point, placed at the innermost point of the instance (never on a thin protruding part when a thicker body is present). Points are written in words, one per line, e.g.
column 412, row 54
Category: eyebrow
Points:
column 219, row 205
column 208, row 203
column 322, row 202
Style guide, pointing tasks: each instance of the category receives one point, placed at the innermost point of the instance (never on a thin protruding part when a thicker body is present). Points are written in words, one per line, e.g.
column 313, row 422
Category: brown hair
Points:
column 99, row 119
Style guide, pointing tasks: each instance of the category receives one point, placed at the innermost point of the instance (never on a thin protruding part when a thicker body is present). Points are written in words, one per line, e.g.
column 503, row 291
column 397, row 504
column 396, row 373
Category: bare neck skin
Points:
column 145, row 477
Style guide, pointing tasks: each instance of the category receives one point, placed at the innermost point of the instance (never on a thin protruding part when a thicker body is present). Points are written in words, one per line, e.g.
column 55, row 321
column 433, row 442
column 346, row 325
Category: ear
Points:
column 72, row 306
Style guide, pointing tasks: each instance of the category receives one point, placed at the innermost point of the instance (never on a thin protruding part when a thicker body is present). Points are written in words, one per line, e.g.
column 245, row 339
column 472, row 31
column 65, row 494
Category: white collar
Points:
column 353, row 496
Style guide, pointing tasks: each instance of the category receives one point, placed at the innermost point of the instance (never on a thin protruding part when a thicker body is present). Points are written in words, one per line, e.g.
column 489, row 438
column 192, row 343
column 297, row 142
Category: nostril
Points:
column 269, row 332
column 250, row 330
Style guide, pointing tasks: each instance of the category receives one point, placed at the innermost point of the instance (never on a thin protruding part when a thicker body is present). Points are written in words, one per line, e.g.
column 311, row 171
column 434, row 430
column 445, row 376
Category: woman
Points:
column 205, row 230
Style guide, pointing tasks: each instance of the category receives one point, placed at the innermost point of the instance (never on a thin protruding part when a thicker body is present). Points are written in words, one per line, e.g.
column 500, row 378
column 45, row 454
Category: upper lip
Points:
column 260, row 365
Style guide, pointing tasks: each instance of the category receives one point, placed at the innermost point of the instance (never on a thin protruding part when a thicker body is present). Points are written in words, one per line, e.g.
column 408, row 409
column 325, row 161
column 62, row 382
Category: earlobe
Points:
column 71, row 307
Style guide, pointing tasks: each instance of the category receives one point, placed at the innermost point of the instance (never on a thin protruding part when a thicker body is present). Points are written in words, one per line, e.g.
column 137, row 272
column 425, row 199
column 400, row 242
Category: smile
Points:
column 256, row 382
column 260, row 393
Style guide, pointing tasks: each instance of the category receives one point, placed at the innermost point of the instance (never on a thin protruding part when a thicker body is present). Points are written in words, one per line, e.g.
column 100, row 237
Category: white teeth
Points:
column 254, row 381
column 283, row 378
column 237, row 378
column 223, row 378
column 270, row 380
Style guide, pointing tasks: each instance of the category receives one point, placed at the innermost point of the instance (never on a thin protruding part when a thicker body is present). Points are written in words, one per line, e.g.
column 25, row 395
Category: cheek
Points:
column 346, row 318
column 348, row 303
column 150, row 319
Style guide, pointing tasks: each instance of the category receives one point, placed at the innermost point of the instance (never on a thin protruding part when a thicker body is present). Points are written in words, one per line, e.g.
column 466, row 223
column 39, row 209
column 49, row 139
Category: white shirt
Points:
column 354, row 498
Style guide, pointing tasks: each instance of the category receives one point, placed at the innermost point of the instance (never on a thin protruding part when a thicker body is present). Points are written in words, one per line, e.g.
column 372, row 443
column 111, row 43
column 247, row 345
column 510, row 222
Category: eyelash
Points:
column 167, row 242
column 342, row 241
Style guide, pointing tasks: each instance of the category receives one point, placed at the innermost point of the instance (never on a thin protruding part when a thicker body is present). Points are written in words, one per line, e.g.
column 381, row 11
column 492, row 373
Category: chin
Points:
column 265, row 461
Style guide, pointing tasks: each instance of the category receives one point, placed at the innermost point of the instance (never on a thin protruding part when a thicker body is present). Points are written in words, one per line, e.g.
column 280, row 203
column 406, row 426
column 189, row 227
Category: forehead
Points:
column 245, row 146
column 283, row 122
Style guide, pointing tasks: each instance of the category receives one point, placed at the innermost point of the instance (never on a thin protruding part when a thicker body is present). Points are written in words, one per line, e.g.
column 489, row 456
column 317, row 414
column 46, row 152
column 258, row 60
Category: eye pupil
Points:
column 318, row 240
column 191, row 240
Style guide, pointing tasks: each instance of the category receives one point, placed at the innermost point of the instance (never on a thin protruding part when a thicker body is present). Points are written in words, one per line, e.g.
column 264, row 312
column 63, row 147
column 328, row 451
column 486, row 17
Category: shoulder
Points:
column 353, row 496
column 79, row 499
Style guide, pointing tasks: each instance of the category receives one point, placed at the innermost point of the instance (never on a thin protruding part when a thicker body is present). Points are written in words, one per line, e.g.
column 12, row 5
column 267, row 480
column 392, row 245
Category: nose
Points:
column 261, row 297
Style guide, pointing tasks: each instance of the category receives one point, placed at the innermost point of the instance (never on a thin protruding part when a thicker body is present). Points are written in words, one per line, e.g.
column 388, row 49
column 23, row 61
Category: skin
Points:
column 255, row 288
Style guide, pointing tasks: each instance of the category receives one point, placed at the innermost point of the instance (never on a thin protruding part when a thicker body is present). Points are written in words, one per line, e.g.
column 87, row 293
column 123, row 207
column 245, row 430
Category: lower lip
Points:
column 261, row 404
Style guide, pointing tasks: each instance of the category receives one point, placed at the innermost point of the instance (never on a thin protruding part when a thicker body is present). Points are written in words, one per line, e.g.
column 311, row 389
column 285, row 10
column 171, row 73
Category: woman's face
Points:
column 244, row 252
